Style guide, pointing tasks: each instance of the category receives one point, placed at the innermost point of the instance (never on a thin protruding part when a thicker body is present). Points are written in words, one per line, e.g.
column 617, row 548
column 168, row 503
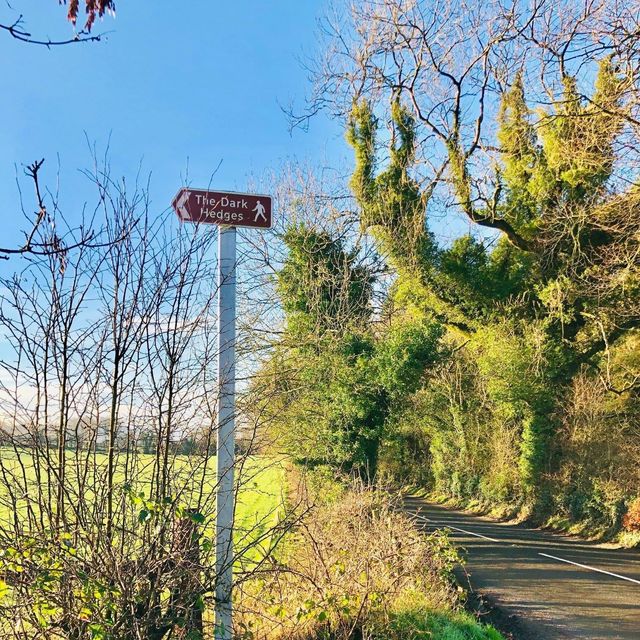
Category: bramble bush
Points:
column 73, row 584
column 359, row 568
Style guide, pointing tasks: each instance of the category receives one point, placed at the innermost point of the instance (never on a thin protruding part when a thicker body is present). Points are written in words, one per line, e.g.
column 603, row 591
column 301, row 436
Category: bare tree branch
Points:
column 17, row 31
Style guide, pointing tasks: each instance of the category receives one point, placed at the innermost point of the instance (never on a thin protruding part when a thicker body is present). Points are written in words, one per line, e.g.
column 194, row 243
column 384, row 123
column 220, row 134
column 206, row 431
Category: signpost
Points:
column 223, row 208
column 228, row 210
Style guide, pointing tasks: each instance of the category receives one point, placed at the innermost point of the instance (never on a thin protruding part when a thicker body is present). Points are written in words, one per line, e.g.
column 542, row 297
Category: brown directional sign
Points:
column 223, row 207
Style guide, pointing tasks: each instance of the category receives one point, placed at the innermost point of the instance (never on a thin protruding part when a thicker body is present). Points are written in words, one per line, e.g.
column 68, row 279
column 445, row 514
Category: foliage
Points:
column 325, row 408
column 333, row 380
column 94, row 9
column 331, row 584
column 392, row 203
column 465, row 386
column 403, row 353
column 631, row 520
column 597, row 438
column 63, row 584
column 499, row 368
column 525, row 316
column 71, row 583
column 321, row 286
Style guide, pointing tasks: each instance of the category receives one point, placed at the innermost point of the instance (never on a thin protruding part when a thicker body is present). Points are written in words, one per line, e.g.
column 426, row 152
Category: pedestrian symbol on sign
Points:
column 259, row 209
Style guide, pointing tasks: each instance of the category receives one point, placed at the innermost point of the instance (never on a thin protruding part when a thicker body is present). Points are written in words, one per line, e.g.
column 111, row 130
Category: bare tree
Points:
column 37, row 243
column 118, row 344
column 42, row 237
column 450, row 63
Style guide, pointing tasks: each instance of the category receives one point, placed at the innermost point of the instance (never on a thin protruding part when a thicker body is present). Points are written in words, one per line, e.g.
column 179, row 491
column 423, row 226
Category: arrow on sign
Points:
column 180, row 205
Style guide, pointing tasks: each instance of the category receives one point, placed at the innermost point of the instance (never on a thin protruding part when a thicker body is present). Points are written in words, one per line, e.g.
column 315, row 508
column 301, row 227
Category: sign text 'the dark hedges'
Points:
column 224, row 208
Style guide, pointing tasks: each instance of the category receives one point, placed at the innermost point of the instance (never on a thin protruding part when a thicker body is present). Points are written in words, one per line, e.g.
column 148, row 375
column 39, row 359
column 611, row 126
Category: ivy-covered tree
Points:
column 325, row 408
column 332, row 379
column 322, row 287
column 498, row 354
column 392, row 203
column 550, row 273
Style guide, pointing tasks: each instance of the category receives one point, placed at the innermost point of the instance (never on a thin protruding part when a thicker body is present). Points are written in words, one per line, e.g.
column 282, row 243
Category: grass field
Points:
column 24, row 480
column 192, row 481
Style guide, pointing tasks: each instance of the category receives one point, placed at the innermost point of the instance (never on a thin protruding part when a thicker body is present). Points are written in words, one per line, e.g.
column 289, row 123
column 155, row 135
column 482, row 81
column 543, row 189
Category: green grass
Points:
column 260, row 499
column 418, row 624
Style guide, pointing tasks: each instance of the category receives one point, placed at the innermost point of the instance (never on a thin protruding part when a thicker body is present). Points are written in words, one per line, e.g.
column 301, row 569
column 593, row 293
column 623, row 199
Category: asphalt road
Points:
column 539, row 585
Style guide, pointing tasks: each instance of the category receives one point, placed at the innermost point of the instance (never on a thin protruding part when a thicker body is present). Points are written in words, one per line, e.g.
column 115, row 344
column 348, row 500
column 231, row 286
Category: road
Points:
column 539, row 585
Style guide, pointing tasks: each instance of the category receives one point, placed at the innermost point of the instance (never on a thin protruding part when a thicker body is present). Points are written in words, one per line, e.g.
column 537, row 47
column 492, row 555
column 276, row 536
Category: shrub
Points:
column 631, row 519
column 358, row 568
column 65, row 586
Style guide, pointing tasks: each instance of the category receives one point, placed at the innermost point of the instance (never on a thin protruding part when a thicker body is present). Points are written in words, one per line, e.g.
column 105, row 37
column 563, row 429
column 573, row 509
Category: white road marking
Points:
column 546, row 555
column 586, row 566
column 470, row 533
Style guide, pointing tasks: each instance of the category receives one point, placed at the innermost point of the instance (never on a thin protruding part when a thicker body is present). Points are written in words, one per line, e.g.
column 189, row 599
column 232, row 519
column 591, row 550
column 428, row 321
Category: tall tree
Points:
column 529, row 128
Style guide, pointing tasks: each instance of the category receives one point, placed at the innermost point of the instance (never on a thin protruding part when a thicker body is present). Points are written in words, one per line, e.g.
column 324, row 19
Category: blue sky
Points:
column 169, row 86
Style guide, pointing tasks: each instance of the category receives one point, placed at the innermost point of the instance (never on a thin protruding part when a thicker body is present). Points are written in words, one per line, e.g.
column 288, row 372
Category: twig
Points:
column 17, row 31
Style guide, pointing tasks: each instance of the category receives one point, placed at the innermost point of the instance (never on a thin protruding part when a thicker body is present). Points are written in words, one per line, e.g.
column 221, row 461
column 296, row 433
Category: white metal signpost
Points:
column 229, row 210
